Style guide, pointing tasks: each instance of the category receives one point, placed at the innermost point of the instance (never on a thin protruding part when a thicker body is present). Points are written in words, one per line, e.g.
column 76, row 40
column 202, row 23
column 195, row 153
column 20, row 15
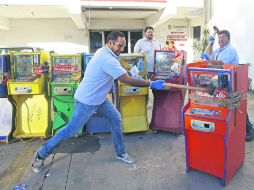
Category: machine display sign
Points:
column 66, row 69
column 167, row 64
column 206, row 112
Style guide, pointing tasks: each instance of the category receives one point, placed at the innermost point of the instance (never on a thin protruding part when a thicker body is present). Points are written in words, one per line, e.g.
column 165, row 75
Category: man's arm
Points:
column 133, row 81
column 158, row 84
column 215, row 64
column 210, row 49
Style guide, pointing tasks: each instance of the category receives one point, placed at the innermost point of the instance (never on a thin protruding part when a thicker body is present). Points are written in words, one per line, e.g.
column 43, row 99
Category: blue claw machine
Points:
column 98, row 123
column 132, row 101
column 28, row 87
column 7, row 111
column 65, row 77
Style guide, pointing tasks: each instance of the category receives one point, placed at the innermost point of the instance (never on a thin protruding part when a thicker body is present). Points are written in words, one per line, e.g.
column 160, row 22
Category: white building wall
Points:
column 162, row 31
column 237, row 17
column 113, row 24
column 60, row 35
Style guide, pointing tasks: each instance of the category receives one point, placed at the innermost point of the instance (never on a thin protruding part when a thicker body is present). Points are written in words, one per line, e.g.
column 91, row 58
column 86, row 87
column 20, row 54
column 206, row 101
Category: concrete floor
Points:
column 88, row 163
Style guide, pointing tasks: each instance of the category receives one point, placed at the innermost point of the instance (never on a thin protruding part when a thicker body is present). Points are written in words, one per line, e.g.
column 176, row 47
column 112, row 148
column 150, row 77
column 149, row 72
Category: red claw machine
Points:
column 167, row 105
column 215, row 123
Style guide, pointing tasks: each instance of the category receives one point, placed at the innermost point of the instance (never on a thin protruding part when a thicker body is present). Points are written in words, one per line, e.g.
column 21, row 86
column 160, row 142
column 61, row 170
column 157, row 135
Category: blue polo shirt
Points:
column 99, row 77
column 226, row 54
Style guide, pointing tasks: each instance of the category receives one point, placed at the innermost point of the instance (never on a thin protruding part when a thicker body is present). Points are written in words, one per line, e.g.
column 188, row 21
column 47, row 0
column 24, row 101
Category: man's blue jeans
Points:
column 81, row 115
column 248, row 124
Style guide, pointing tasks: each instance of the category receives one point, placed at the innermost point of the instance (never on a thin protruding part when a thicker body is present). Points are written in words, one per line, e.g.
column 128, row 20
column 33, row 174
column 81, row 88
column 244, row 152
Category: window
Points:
column 196, row 32
column 95, row 41
column 135, row 36
column 98, row 39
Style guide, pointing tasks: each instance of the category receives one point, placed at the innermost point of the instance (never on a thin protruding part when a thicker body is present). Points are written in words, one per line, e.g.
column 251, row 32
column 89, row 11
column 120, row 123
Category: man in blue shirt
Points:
column 227, row 54
column 91, row 95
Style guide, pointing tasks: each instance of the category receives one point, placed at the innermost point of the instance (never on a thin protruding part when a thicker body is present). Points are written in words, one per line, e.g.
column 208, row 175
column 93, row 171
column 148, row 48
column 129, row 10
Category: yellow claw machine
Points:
column 132, row 101
column 28, row 87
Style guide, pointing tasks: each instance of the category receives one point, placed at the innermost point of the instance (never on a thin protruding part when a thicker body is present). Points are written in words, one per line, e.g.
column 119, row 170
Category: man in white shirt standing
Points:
column 148, row 45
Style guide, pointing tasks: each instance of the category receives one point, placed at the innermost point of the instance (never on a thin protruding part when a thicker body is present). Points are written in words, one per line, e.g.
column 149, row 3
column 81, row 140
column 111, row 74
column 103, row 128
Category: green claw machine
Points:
column 132, row 101
column 28, row 87
column 65, row 77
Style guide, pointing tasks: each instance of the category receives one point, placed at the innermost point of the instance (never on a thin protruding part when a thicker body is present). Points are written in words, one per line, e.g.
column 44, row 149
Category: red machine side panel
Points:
column 167, row 111
column 204, row 148
column 236, row 140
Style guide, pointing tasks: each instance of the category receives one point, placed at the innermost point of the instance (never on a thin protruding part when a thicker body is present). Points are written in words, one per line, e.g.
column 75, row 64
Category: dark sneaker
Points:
column 249, row 136
column 38, row 164
column 126, row 158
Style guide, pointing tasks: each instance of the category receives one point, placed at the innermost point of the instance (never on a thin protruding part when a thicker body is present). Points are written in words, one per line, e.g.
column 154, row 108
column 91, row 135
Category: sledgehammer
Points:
column 210, row 89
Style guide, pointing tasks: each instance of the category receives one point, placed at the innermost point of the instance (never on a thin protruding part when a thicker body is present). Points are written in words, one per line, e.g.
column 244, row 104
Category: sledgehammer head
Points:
column 216, row 29
column 218, row 83
column 211, row 89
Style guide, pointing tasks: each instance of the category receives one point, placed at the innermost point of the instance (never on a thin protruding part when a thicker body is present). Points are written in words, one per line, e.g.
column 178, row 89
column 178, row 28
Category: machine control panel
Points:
column 23, row 89
column 132, row 90
column 63, row 90
column 203, row 126
column 206, row 112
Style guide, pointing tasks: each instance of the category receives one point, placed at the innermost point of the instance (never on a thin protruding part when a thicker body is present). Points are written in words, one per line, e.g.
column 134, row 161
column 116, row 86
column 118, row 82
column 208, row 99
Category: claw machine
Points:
column 86, row 59
column 215, row 124
column 28, row 87
column 132, row 101
column 97, row 123
column 7, row 111
column 167, row 106
column 65, row 77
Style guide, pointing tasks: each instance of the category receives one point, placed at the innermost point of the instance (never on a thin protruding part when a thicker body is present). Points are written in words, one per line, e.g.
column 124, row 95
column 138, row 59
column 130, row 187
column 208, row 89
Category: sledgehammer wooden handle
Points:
column 170, row 85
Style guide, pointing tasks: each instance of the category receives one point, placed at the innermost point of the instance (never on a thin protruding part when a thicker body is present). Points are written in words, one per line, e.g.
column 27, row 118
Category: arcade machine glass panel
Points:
column 66, row 69
column 220, row 83
column 168, row 66
column 134, row 64
column 25, row 66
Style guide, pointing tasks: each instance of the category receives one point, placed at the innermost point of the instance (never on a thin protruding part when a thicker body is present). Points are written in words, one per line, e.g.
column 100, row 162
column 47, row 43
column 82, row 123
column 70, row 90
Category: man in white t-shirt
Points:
column 91, row 96
column 148, row 45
